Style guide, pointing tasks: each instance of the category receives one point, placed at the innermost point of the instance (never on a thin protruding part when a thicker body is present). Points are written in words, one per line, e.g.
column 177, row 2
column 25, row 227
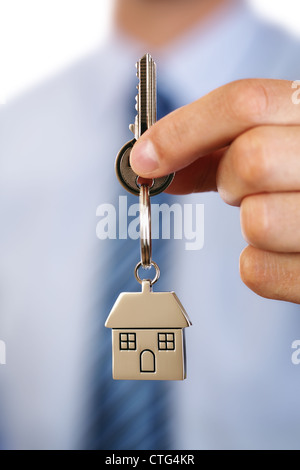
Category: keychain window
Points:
column 127, row 341
column 166, row 341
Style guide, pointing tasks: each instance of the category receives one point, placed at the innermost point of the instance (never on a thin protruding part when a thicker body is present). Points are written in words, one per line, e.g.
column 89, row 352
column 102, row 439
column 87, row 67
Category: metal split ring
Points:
column 154, row 280
column 145, row 227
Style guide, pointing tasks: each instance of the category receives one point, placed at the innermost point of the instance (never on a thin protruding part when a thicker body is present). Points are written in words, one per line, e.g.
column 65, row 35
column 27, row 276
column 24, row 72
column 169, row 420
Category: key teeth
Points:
column 146, row 98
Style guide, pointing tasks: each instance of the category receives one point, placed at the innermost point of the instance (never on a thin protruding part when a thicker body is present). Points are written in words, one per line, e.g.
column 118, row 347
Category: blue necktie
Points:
column 128, row 415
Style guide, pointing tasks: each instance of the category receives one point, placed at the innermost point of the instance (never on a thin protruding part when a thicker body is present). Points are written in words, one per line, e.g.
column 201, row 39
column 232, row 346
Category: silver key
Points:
column 145, row 118
column 146, row 97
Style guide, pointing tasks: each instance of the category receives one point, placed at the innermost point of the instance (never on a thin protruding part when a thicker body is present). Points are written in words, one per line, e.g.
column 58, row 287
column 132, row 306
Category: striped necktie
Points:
column 128, row 415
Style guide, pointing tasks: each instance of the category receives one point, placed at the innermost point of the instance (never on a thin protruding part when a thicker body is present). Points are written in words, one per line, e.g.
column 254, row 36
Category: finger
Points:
column 199, row 176
column 272, row 221
column 271, row 275
column 263, row 159
column 212, row 123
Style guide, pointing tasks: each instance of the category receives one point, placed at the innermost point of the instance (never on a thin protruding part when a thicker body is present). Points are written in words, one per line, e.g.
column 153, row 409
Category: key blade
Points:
column 146, row 97
column 146, row 72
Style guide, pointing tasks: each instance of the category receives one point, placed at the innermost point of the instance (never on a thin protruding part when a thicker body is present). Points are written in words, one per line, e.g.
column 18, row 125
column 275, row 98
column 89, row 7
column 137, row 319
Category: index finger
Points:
column 211, row 123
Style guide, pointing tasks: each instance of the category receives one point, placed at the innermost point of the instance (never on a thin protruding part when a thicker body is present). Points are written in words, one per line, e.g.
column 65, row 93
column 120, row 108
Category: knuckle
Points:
column 249, row 159
column 247, row 100
column 246, row 268
column 270, row 275
column 255, row 222
column 251, row 269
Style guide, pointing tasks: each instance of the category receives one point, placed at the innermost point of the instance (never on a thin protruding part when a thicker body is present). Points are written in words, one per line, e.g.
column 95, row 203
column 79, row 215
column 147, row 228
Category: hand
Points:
column 243, row 140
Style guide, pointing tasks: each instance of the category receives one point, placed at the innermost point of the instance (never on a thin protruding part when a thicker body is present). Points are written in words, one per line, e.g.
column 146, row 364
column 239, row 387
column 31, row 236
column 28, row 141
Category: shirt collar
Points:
column 203, row 59
column 208, row 56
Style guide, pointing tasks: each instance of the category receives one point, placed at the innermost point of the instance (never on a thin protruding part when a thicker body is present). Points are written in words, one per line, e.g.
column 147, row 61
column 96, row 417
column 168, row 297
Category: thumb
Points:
column 210, row 123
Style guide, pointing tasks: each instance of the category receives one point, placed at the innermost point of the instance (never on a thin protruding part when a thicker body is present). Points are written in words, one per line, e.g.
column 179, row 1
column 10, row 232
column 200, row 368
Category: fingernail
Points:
column 144, row 158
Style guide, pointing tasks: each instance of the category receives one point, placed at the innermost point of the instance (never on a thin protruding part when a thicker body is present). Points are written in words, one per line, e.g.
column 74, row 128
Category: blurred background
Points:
column 58, row 141
column 37, row 38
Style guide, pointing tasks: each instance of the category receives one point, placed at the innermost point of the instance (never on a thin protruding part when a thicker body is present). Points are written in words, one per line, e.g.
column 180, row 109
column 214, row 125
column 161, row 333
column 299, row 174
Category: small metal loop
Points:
column 147, row 181
column 156, row 277
column 145, row 227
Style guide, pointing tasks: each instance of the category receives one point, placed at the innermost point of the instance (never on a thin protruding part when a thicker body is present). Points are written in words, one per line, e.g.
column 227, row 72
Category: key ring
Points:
column 154, row 280
column 145, row 235
column 145, row 227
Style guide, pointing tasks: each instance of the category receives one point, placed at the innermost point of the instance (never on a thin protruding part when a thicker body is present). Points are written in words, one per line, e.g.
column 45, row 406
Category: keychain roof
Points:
column 148, row 309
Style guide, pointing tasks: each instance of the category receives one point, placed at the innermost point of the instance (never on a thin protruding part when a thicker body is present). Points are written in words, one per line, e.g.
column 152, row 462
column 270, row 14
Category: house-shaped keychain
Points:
column 148, row 335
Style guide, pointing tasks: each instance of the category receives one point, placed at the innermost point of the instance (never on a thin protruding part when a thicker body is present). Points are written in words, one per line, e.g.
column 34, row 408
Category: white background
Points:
column 38, row 37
